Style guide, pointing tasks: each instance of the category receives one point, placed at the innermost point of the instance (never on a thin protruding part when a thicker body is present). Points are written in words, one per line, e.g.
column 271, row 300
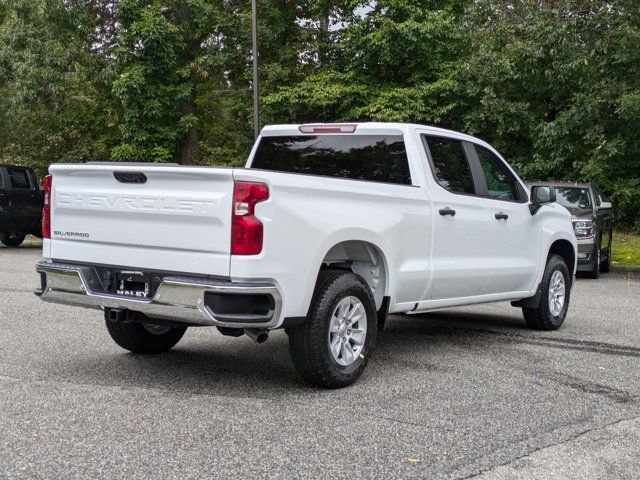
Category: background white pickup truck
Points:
column 326, row 230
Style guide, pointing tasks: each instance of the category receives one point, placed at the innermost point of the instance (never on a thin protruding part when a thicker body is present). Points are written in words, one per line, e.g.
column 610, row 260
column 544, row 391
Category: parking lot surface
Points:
column 453, row 394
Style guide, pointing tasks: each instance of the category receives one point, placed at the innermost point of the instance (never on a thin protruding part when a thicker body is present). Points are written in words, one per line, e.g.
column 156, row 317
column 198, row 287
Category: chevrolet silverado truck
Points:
column 326, row 230
column 20, row 204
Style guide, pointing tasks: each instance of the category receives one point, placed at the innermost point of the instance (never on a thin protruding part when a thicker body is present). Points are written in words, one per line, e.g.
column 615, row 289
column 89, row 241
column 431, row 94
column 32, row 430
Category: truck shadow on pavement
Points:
column 206, row 362
column 410, row 347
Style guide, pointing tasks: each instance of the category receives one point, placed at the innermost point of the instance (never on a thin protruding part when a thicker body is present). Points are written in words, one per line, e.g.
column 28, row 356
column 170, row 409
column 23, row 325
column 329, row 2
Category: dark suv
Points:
column 592, row 223
column 20, row 204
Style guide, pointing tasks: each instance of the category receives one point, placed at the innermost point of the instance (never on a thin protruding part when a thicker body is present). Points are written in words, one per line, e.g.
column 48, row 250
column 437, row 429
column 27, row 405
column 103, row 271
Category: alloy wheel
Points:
column 347, row 331
column 557, row 289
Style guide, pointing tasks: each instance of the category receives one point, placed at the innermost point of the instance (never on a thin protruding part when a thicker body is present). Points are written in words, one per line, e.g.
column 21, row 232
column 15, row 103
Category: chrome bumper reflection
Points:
column 177, row 298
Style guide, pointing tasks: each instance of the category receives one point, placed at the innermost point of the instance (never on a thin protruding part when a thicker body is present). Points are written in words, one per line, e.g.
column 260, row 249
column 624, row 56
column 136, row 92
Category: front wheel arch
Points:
column 565, row 249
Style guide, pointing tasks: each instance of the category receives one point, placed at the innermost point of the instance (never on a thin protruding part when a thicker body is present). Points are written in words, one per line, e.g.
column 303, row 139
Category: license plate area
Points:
column 132, row 283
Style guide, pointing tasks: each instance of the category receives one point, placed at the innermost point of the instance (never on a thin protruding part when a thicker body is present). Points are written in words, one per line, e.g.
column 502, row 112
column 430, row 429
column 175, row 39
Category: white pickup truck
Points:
column 326, row 230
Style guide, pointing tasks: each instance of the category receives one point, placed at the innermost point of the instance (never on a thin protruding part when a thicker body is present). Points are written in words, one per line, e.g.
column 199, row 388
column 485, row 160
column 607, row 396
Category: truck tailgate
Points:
column 178, row 220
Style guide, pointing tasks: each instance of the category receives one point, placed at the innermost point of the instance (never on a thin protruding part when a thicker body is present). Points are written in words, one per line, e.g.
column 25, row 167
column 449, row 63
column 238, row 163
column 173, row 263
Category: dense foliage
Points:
column 553, row 84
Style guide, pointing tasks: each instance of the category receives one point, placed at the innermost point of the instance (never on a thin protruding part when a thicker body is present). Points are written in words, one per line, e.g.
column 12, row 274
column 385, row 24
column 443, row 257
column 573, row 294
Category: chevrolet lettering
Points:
column 136, row 203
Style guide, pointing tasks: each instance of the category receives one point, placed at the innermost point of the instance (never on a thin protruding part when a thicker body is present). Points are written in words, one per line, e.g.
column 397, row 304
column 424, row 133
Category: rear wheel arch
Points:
column 366, row 260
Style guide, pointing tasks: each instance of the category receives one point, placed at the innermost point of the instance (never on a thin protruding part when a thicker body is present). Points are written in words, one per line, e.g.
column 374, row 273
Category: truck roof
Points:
column 370, row 128
column 562, row 184
column 5, row 165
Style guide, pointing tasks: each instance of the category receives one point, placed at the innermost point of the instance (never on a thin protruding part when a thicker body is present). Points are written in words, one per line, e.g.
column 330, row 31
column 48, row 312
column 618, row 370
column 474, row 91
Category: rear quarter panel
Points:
column 307, row 215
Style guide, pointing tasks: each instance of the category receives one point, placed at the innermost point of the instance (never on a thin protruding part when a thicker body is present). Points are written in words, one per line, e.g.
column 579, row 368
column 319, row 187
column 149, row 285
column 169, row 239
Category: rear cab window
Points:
column 374, row 158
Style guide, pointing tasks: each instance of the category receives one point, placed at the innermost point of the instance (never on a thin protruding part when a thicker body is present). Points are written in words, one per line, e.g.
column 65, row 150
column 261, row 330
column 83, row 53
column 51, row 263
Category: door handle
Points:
column 447, row 211
column 501, row 216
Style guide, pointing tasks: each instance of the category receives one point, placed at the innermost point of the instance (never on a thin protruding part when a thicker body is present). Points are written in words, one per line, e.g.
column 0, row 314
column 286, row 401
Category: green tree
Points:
column 52, row 85
column 555, row 85
column 393, row 61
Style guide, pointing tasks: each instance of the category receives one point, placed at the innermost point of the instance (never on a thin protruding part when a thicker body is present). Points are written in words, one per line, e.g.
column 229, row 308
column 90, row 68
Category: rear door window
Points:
column 450, row 165
column 376, row 158
column 19, row 178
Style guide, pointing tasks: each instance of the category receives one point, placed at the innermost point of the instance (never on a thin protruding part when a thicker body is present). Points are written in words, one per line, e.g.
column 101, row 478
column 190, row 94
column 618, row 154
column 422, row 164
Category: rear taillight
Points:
column 246, row 229
column 46, row 210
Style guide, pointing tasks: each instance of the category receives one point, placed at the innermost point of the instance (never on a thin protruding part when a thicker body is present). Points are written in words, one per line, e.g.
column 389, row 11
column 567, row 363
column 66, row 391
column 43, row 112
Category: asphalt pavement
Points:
column 461, row 393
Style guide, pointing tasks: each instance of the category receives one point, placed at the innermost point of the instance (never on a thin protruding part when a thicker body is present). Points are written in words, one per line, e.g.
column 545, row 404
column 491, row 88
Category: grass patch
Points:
column 626, row 250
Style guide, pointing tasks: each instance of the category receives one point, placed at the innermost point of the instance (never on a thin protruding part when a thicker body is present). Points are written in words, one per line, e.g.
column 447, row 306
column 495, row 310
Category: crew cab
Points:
column 20, row 204
column 327, row 229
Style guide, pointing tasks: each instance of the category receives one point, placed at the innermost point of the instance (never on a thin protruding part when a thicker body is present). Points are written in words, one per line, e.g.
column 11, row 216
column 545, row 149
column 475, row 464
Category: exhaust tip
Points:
column 260, row 336
column 263, row 337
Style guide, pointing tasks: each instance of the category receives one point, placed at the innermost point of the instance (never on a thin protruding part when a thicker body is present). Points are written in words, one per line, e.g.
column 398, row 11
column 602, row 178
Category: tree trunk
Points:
column 189, row 144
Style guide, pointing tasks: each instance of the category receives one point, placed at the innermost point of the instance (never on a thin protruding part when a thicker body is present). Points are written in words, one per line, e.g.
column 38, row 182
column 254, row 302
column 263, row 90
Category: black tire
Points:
column 309, row 343
column 12, row 239
column 542, row 318
column 594, row 273
column 137, row 338
column 605, row 265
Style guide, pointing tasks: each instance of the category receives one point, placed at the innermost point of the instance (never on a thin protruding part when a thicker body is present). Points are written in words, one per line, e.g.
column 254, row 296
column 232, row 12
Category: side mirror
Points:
column 605, row 206
column 541, row 195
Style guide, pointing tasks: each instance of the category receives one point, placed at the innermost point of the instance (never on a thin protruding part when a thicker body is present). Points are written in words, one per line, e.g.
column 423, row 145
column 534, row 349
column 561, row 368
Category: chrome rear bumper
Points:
column 177, row 298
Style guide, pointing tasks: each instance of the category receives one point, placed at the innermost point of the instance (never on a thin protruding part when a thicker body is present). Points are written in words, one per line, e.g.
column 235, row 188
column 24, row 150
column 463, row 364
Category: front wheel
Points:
column 333, row 346
column 595, row 268
column 554, row 301
column 144, row 337
column 12, row 239
column 605, row 265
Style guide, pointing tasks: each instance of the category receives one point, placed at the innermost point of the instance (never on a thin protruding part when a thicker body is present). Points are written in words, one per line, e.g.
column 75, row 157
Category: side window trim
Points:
column 476, row 170
column 425, row 137
column 597, row 198
column 482, row 181
column 33, row 179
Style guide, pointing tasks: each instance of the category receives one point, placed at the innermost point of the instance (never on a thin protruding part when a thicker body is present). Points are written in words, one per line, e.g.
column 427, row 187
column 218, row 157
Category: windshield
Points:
column 573, row 197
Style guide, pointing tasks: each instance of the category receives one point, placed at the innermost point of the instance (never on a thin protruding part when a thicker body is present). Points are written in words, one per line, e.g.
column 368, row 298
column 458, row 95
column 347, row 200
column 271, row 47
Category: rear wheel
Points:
column 554, row 301
column 12, row 239
column 144, row 337
column 333, row 346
